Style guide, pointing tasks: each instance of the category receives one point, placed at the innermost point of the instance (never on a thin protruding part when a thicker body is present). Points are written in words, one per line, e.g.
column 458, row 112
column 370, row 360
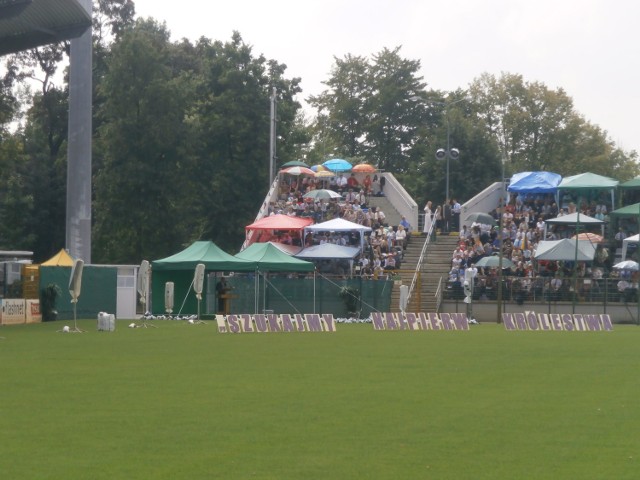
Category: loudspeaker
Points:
column 198, row 280
column 441, row 154
column 168, row 297
column 143, row 278
column 454, row 154
column 75, row 281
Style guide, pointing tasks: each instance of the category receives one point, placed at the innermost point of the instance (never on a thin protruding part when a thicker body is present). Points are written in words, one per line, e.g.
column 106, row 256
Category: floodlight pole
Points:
column 575, row 267
column 272, row 137
column 500, row 242
column 449, row 153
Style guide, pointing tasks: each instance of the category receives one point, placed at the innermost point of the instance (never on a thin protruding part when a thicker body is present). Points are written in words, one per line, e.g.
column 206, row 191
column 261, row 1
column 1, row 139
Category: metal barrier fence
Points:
column 343, row 297
column 549, row 289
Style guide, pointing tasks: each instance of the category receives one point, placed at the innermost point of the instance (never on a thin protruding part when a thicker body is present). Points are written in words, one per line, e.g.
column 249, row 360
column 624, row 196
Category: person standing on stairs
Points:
column 428, row 218
column 446, row 216
column 456, row 209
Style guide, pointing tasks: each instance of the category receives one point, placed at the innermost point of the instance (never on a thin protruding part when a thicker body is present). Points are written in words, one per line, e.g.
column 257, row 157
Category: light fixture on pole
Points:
column 448, row 154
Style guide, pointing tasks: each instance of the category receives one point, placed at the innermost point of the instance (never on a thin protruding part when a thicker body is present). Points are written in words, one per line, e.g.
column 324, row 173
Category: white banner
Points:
column 13, row 312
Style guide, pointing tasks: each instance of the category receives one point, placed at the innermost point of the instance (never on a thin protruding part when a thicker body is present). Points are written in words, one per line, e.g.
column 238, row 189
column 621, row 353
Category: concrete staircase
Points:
column 391, row 214
column 436, row 265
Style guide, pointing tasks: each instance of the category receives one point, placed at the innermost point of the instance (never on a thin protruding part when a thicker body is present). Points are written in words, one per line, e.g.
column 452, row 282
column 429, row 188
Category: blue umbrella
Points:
column 337, row 165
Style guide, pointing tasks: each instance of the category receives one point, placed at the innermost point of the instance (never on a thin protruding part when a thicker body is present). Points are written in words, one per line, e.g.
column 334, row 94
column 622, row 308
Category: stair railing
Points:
column 271, row 196
column 423, row 254
column 439, row 293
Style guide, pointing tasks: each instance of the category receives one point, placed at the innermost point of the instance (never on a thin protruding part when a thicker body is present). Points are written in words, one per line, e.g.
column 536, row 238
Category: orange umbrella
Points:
column 591, row 237
column 364, row 168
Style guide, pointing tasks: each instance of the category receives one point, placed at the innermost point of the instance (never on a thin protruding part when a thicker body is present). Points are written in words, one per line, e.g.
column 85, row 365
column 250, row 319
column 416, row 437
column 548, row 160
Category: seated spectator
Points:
column 401, row 237
column 389, row 262
column 352, row 182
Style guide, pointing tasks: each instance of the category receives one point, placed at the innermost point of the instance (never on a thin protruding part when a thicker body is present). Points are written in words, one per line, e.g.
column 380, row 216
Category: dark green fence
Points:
column 98, row 293
column 304, row 295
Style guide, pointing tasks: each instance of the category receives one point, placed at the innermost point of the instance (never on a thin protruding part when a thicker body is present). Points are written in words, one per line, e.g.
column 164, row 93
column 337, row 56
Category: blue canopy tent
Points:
column 534, row 182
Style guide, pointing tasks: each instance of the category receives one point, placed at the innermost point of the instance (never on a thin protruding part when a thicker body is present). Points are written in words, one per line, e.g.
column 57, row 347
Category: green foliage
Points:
column 48, row 297
column 183, row 136
column 364, row 113
column 538, row 129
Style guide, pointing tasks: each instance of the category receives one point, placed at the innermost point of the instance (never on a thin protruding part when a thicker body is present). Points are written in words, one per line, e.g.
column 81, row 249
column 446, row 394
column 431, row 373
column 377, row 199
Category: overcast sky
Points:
column 590, row 48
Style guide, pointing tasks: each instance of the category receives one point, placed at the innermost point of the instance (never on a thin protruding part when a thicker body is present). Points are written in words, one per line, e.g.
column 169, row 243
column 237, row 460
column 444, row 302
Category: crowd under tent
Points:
column 567, row 250
column 266, row 229
column 630, row 190
column 632, row 240
column 577, row 219
column 632, row 211
column 534, row 182
column 330, row 255
column 338, row 225
column 585, row 184
column 328, row 251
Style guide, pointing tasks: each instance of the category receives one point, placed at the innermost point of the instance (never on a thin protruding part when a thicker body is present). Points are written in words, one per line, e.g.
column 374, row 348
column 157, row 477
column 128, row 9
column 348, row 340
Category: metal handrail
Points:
column 264, row 209
column 423, row 252
column 439, row 295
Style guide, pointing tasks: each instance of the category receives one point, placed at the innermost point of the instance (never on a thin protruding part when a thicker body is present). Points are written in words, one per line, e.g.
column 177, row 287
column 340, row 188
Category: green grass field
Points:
column 182, row 401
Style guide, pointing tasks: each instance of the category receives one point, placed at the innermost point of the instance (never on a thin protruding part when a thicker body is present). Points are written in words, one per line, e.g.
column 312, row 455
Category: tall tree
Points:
column 391, row 128
column 341, row 108
column 538, row 129
column 230, row 135
column 143, row 108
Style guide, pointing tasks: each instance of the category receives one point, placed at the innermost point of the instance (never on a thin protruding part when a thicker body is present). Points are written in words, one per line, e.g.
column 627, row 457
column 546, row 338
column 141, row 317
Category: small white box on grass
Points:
column 106, row 322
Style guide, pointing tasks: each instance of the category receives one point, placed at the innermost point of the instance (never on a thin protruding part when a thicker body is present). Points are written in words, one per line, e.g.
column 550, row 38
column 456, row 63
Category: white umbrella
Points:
column 627, row 265
column 321, row 194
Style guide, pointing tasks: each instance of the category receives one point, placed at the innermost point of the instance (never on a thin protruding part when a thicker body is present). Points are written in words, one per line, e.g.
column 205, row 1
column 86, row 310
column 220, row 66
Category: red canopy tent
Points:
column 264, row 230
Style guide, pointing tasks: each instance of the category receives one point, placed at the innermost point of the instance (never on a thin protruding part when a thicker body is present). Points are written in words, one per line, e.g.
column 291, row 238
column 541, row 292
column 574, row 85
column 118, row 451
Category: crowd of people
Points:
column 523, row 227
column 382, row 249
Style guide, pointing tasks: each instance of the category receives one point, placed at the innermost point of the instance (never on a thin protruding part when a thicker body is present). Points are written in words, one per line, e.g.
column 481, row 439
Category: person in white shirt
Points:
column 341, row 183
column 401, row 237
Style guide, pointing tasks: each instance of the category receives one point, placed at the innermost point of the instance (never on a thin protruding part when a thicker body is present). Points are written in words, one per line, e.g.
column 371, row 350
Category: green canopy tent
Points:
column 628, row 211
column 630, row 190
column 585, row 184
column 180, row 268
column 266, row 258
column 632, row 211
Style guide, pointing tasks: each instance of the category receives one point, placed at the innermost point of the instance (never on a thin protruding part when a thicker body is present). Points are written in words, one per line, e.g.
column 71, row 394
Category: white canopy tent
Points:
column 625, row 244
column 328, row 250
column 565, row 250
column 574, row 219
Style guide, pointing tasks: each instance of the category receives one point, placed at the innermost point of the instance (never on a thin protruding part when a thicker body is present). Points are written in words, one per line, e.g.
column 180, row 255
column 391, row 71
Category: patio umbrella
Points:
column 364, row 168
column 317, row 168
column 494, row 262
column 294, row 163
column 627, row 265
column 337, row 165
column 324, row 174
column 298, row 171
column 481, row 217
column 322, row 194
column 591, row 237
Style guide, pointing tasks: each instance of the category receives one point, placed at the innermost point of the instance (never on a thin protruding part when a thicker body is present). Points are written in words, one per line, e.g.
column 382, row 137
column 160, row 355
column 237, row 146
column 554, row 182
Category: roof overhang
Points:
column 26, row 24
